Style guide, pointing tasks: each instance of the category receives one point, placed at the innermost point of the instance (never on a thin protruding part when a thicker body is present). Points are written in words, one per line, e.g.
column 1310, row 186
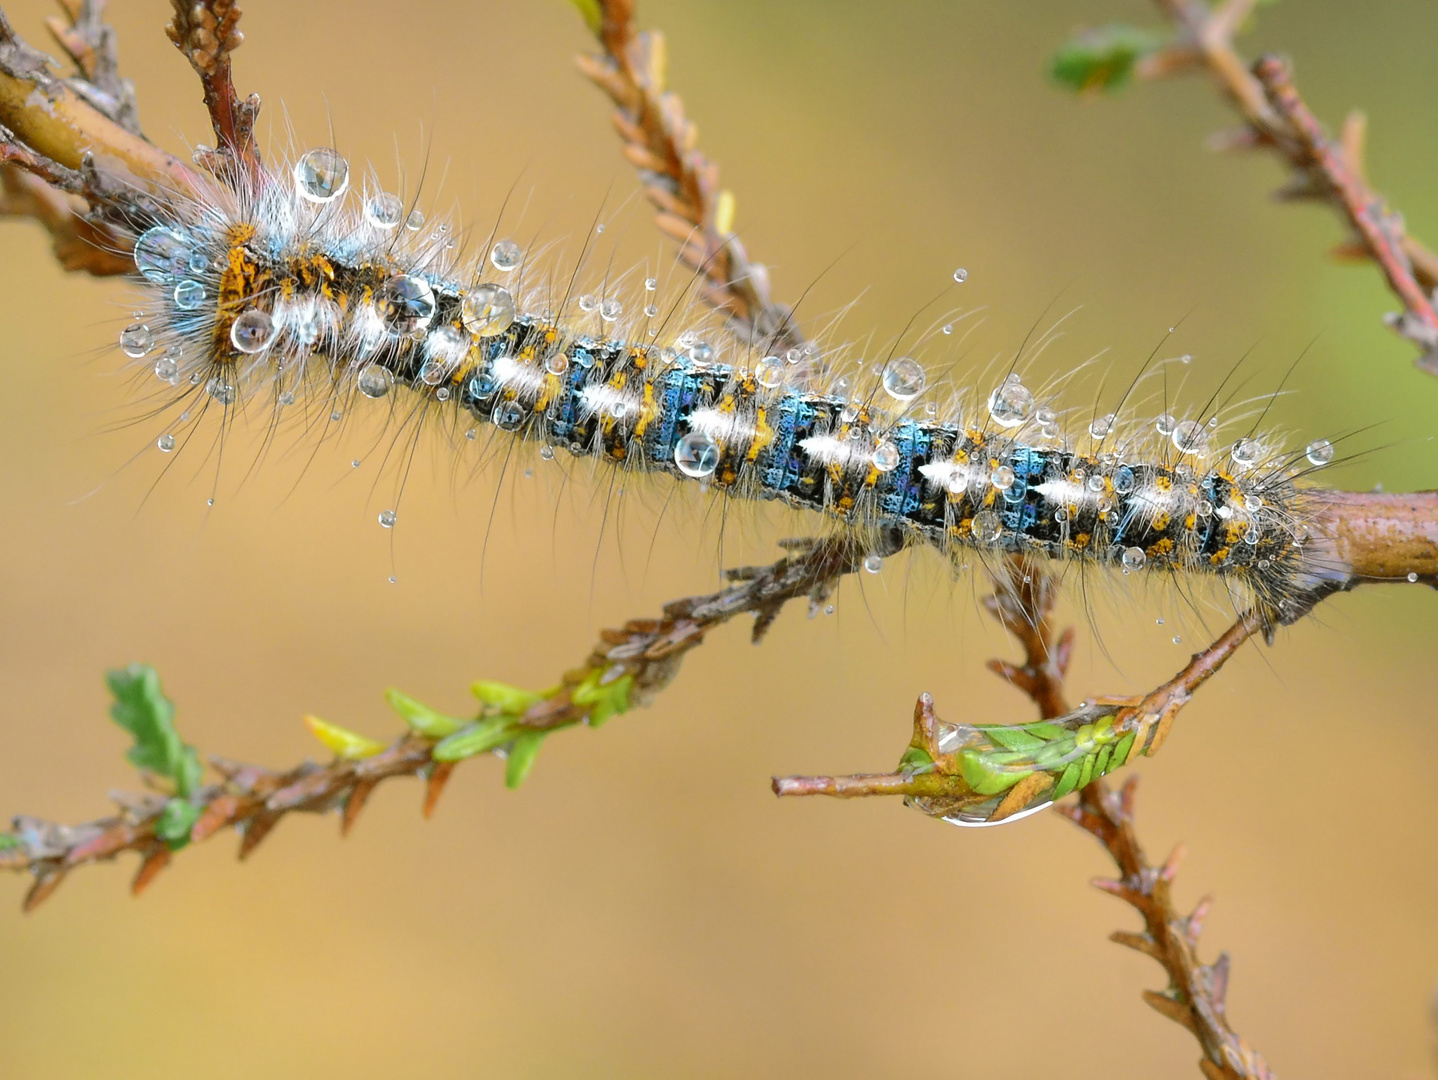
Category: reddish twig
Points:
column 682, row 184
column 1023, row 603
column 1277, row 119
column 207, row 33
column 252, row 800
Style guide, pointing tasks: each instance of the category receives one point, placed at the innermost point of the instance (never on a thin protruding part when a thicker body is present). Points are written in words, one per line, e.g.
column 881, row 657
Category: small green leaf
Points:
column 1101, row 765
column 422, row 720
column 1067, row 782
column 8, row 842
column 504, row 699
column 915, row 759
column 1086, row 773
column 344, row 744
column 1046, row 729
column 176, row 821
column 1121, row 751
column 1102, row 59
column 477, row 738
column 603, row 700
column 141, row 708
column 979, row 774
column 521, row 757
column 1012, row 738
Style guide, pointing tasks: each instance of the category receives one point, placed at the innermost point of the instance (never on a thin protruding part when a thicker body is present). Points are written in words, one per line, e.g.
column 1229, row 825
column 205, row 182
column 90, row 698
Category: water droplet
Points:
column 488, row 310
column 355, row 464
column 873, row 563
column 1101, row 425
column 210, row 502
column 1251, row 536
column 828, row 609
column 546, row 452
column 1011, row 404
column 1190, row 437
column 321, row 175
column 509, row 416
column 161, row 254
column 1319, row 452
column 987, row 526
column 1412, row 575
column 697, row 455
column 189, row 295
column 166, row 443
column 650, row 284
column 610, row 310
column 336, row 416
column 769, row 372
column 506, row 255
column 1158, row 621
column 221, row 391
column 556, row 363
column 1002, row 477
column 1061, row 515
column 392, row 579
column 375, row 381
column 384, row 211
column 1186, row 358
column 387, row 518
column 415, row 221
column 406, row 304
column 931, row 409
column 167, row 369
column 599, row 228
column 1252, row 502
column 1095, row 482
column 885, row 457
column 904, row 378
column 1178, row 639
column 1246, row 453
column 701, row 352
column 957, row 483
column 287, row 398
column 136, row 340
column 588, row 302
column 1165, row 424
column 961, row 275
column 651, row 310
column 1224, row 512
column 252, row 330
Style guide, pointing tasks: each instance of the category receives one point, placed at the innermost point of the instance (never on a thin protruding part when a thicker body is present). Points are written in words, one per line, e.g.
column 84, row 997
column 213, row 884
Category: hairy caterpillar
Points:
column 287, row 282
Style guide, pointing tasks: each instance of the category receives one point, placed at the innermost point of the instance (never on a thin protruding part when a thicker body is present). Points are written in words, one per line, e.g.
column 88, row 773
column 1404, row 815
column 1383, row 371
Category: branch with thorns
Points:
column 1277, row 119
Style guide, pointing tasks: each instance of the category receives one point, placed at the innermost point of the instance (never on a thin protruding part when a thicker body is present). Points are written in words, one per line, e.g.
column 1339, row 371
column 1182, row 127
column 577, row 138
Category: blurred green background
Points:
column 643, row 907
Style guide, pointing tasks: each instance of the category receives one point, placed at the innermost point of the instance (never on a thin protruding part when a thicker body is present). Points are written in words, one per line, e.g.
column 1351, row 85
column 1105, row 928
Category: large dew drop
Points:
column 987, row 527
column 769, row 372
column 488, row 310
column 375, row 381
column 252, row 330
column 506, row 255
column 161, row 255
column 1190, row 437
column 321, row 175
column 904, row 378
column 1011, row 404
column 697, row 455
column 136, row 340
column 384, row 211
column 1246, row 453
column 1319, row 452
column 406, row 304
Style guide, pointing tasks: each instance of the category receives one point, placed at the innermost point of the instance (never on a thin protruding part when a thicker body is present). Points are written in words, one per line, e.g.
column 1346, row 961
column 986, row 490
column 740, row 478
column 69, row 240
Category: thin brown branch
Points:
column 680, row 181
column 1277, row 119
column 252, row 799
column 1023, row 602
column 207, row 33
column 91, row 45
column 79, row 243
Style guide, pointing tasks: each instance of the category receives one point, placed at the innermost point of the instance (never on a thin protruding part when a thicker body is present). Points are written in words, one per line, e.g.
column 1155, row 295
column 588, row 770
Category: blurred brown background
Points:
column 643, row 907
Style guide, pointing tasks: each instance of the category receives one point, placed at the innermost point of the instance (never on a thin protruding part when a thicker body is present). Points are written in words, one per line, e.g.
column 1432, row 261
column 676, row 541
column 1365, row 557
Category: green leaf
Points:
column 1013, row 738
column 521, row 757
column 590, row 11
column 603, row 700
column 176, row 821
column 1086, row 773
column 1067, row 782
column 8, row 842
column 915, row 759
column 980, row 774
column 502, row 698
column 141, row 708
column 422, row 720
column 477, row 738
column 1102, row 59
column 1121, row 751
column 1101, row 765
column 1046, row 729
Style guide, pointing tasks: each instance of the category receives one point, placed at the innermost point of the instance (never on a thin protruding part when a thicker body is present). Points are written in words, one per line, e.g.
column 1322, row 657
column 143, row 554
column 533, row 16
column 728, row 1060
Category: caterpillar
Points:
column 286, row 281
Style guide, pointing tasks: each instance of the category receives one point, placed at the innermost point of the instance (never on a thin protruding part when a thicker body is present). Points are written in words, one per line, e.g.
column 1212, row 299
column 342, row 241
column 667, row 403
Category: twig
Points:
column 634, row 662
column 1022, row 602
column 207, row 33
column 1277, row 119
column 683, row 185
column 78, row 243
column 91, row 45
